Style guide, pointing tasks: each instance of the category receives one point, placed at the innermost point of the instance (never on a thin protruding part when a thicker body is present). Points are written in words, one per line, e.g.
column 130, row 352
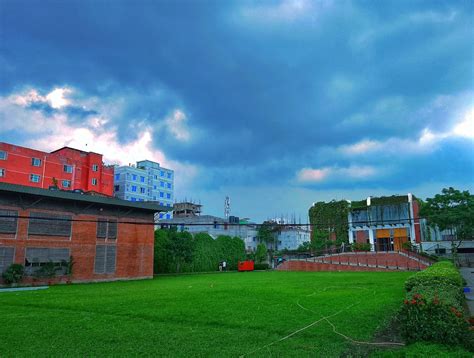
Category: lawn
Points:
column 220, row 315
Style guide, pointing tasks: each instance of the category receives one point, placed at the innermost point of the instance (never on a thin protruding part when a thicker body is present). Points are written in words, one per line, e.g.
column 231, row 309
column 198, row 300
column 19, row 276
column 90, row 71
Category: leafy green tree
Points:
column 267, row 234
column 161, row 255
column 451, row 210
column 205, row 255
column 231, row 250
column 180, row 247
column 261, row 254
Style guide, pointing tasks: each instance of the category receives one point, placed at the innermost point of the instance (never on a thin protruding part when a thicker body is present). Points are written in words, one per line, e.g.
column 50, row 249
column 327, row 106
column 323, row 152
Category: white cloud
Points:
column 460, row 125
column 465, row 128
column 284, row 11
column 57, row 99
column 318, row 175
column 360, row 147
column 313, row 175
column 176, row 124
column 96, row 134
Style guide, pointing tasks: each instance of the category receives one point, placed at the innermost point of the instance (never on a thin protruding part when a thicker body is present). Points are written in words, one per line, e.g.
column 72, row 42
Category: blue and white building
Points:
column 145, row 181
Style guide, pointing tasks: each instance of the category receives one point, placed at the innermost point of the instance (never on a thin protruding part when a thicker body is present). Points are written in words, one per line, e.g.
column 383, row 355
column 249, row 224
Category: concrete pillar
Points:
column 351, row 236
column 371, row 240
column 412, row 220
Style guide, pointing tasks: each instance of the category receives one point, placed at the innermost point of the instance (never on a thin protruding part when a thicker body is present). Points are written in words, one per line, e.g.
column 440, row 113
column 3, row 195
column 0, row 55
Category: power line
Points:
column 317, row 225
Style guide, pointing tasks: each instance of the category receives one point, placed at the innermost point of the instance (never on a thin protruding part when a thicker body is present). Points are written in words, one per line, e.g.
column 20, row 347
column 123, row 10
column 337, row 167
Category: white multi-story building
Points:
column 145, row 181
column 292, row 237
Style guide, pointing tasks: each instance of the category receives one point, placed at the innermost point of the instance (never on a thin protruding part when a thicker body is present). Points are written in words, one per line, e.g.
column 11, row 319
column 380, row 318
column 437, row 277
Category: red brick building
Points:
column 107, row 238
column 68, row 168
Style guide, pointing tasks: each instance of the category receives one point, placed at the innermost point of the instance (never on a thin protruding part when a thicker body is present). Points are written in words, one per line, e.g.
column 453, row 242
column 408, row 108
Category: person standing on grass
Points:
column 224, row 266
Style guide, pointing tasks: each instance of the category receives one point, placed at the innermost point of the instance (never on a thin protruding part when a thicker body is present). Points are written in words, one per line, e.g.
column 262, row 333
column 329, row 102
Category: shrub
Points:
column 433, row 308
column 48, row 270
column 441, row 273
column 13, row 274
column 358, row 246
column 433, row 316
column 261, row 266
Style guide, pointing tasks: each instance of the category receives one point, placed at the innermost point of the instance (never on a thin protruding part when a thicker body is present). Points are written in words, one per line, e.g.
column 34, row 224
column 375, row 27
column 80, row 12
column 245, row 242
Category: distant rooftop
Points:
column 74, row 149
column 81, row 197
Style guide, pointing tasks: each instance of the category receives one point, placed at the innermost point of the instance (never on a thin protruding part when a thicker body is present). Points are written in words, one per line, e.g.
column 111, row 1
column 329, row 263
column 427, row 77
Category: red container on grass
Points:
column 246, row 266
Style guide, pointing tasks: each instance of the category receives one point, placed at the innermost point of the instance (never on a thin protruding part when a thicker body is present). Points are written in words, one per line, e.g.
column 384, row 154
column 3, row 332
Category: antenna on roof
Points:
column 226, row 207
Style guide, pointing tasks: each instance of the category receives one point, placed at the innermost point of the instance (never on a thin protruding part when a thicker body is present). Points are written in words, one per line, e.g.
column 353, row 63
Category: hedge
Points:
column 206, row 252
column 441, row 273
column 433, row 307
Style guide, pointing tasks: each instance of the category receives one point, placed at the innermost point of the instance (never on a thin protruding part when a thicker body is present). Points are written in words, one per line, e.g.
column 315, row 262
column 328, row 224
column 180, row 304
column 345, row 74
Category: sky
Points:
column 276, row 104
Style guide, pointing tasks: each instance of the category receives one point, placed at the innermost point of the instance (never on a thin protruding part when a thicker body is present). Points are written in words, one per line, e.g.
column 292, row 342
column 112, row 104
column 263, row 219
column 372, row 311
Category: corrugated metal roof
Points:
column 69, row 195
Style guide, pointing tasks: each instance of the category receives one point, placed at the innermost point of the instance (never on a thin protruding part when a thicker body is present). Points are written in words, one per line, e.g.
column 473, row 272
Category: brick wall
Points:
column 358, row 262
column 134, row 245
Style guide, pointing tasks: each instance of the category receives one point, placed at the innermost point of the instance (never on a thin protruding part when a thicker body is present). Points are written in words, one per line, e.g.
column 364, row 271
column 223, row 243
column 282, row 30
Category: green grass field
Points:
column 219, row 315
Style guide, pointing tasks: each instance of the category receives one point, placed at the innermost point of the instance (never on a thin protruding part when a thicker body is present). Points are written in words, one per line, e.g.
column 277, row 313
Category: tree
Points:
column 161, row 262
column 261, row 254
column 267, row 234
column 181, row 247
column 451, row 210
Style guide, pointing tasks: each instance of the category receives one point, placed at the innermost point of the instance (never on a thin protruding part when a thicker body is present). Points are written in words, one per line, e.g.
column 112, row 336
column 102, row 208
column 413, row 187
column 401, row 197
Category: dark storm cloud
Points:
column 264, row 91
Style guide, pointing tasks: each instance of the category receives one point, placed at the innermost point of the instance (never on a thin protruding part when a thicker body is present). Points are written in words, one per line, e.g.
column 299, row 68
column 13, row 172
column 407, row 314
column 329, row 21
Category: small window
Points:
column 105, row 257
column 106, row 229
column 162, row 184
column 49, row 224
column 162, row 173
column 169, row 175
column 134, row 199
column 8, row 221
column 101, row 229
column 35, row 162
column 117, row 187
column 67, row 168
column 162, row 195
column 36, row 257
column 168, row 196
column 154, row 187
column 3, row 173
column 34, row 178
column 134, row 177
column 95, row 167
column 134, row 188
column 117, row 176
column 66, row 183
column 142, row 179
column 94, row 181
column 161, row 216
column 6, row 257
column 156, row 176
column 168, row 216
column 142, row 190
column 3, row 155
column 141, row 200
column 168, row 185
